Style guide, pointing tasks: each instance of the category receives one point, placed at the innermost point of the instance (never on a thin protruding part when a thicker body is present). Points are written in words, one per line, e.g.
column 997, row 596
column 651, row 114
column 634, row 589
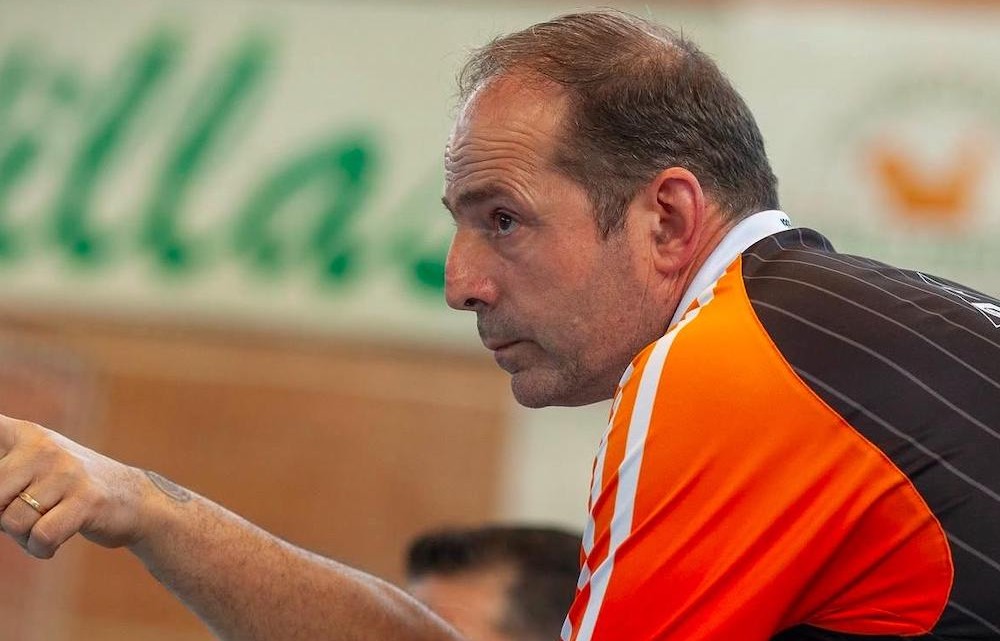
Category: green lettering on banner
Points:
column 18, row 152
column 218, row 104
column 420, row 250
column 334, row 246
column 15, row 161
column 99, row 145
column 14, row 75
column 334, row 180
column 65, row 88
column 429, row 271
column 302, row 214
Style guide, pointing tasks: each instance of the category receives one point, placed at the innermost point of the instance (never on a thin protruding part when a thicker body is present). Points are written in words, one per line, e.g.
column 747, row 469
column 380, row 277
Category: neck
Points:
column 713, row 231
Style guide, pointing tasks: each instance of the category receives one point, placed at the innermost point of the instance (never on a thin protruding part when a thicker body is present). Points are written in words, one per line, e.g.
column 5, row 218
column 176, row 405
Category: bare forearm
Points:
column 244, row 583
column 250, row 586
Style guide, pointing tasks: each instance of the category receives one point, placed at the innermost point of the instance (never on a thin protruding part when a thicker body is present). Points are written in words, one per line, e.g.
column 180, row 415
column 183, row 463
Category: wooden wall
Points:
column 345, row 449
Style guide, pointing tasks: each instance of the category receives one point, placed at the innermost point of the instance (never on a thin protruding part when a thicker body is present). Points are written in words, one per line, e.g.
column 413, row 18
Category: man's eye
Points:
column 504, row 223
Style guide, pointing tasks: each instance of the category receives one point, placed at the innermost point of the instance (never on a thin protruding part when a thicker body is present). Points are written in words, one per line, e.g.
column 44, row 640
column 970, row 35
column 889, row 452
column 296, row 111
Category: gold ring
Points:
column 30, row 500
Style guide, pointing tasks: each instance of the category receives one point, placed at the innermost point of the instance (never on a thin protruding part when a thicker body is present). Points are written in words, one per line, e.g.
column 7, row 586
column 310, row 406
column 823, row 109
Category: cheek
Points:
column 562, row 290
column 570, row 299
column 607, row 310
column 575, row 321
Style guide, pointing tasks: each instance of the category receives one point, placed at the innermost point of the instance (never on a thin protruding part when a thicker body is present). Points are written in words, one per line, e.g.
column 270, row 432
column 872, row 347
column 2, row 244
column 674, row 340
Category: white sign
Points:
column 279, row 164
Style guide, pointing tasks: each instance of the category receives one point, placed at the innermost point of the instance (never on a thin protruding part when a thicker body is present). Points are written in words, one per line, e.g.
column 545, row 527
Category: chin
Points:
column 529, row 396
column 536, row 391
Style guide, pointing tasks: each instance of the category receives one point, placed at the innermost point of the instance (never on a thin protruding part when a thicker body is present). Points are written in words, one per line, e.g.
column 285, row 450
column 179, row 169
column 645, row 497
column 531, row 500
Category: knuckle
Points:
column 68, row 471
column 43, row 541
column 23, row 425
column 95, row 500
column 29, row 432
column 13, row 525
column 47, row 452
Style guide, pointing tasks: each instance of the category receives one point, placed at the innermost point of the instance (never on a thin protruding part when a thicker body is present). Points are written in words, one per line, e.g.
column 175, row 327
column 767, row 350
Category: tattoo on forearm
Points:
column 168, row 487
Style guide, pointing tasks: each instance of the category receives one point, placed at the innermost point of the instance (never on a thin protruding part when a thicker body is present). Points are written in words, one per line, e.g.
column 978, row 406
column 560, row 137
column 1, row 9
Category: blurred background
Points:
column 221, row 251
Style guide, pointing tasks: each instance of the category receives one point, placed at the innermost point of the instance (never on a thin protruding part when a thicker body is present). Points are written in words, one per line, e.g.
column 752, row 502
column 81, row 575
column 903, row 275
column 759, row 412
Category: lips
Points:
column 503, row 352
column 494, row 344
column 506, row 355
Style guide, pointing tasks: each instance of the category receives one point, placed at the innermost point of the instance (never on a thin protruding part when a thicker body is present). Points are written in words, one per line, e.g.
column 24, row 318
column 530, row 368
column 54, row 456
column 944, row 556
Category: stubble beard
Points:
column 563, row 381
column 545, row 377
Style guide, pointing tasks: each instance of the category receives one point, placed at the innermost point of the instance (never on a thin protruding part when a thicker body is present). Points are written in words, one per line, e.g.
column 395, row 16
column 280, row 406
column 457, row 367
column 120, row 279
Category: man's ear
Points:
column 673, row 205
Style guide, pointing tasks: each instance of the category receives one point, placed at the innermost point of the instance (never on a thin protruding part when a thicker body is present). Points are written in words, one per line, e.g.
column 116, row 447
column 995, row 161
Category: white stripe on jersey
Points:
column 628, row 476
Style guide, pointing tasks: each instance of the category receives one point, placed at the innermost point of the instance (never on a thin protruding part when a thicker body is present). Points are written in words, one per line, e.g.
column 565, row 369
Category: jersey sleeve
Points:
column 729, row 502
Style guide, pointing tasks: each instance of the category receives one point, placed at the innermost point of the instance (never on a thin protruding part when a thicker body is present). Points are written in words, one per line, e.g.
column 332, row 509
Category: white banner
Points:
column 883, row 124
column 279, row 163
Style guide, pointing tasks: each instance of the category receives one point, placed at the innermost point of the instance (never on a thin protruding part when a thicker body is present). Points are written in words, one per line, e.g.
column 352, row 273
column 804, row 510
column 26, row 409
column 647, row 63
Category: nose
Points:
column 468, row 284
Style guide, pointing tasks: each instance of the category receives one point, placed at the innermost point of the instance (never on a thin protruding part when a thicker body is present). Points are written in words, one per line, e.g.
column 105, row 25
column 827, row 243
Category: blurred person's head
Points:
column 497, row 583
column 595, row 159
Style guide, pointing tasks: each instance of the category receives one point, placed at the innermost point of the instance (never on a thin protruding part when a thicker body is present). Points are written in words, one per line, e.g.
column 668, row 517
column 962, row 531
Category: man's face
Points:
column 558, row 304
column 473, row 602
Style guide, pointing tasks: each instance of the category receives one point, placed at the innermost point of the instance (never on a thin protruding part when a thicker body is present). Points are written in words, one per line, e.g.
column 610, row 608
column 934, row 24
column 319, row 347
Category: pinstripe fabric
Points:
column 913, row 363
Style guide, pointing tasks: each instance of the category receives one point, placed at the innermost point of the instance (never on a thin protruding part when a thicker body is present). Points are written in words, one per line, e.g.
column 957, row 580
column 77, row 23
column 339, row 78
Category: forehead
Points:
column 512, row 123
column 513, row 97
column 474, row 602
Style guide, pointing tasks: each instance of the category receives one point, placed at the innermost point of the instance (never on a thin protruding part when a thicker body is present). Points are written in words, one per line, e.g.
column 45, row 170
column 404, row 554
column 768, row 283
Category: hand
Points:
column 77, row 489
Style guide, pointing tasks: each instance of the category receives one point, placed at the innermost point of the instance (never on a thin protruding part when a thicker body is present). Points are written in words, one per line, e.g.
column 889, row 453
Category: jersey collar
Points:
column 747, row 232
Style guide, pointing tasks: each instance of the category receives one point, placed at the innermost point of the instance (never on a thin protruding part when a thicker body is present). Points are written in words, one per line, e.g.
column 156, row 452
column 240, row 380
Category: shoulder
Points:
column 800, row 272
column 861, row 320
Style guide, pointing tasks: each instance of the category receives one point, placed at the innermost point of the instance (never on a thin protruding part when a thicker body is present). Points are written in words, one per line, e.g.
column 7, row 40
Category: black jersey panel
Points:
column 912, row 362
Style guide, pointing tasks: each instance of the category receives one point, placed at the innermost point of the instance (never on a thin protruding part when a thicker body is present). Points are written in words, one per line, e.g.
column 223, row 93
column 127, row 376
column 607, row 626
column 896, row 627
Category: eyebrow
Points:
column 473, row 197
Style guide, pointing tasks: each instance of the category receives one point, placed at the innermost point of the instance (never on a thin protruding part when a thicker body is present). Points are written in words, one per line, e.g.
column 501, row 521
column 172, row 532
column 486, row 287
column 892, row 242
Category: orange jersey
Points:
column 810, row 452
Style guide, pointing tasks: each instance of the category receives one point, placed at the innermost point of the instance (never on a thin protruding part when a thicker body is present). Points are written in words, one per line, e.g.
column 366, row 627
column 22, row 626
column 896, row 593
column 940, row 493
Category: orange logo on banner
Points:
column 930, row 195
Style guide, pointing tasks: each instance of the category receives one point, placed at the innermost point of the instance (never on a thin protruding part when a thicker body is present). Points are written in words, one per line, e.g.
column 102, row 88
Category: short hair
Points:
column 641, row 98
column 545, row 561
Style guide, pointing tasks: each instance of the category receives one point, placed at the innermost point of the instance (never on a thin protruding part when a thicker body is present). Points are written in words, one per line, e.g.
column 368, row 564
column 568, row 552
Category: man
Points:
column 496, row 583
column 801, row 443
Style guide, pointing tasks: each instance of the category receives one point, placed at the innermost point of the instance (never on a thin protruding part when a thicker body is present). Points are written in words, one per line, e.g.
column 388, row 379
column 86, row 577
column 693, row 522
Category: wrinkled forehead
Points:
column 512, row 113
column 511, row 101
column 500, row 94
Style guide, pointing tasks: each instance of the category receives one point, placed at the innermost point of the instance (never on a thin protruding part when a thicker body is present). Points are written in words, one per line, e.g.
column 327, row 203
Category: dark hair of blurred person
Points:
column 497, row 583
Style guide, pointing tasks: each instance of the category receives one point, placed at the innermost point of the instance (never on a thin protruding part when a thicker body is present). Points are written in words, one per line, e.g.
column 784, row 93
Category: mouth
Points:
column 496, row 345
column 505, row 354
